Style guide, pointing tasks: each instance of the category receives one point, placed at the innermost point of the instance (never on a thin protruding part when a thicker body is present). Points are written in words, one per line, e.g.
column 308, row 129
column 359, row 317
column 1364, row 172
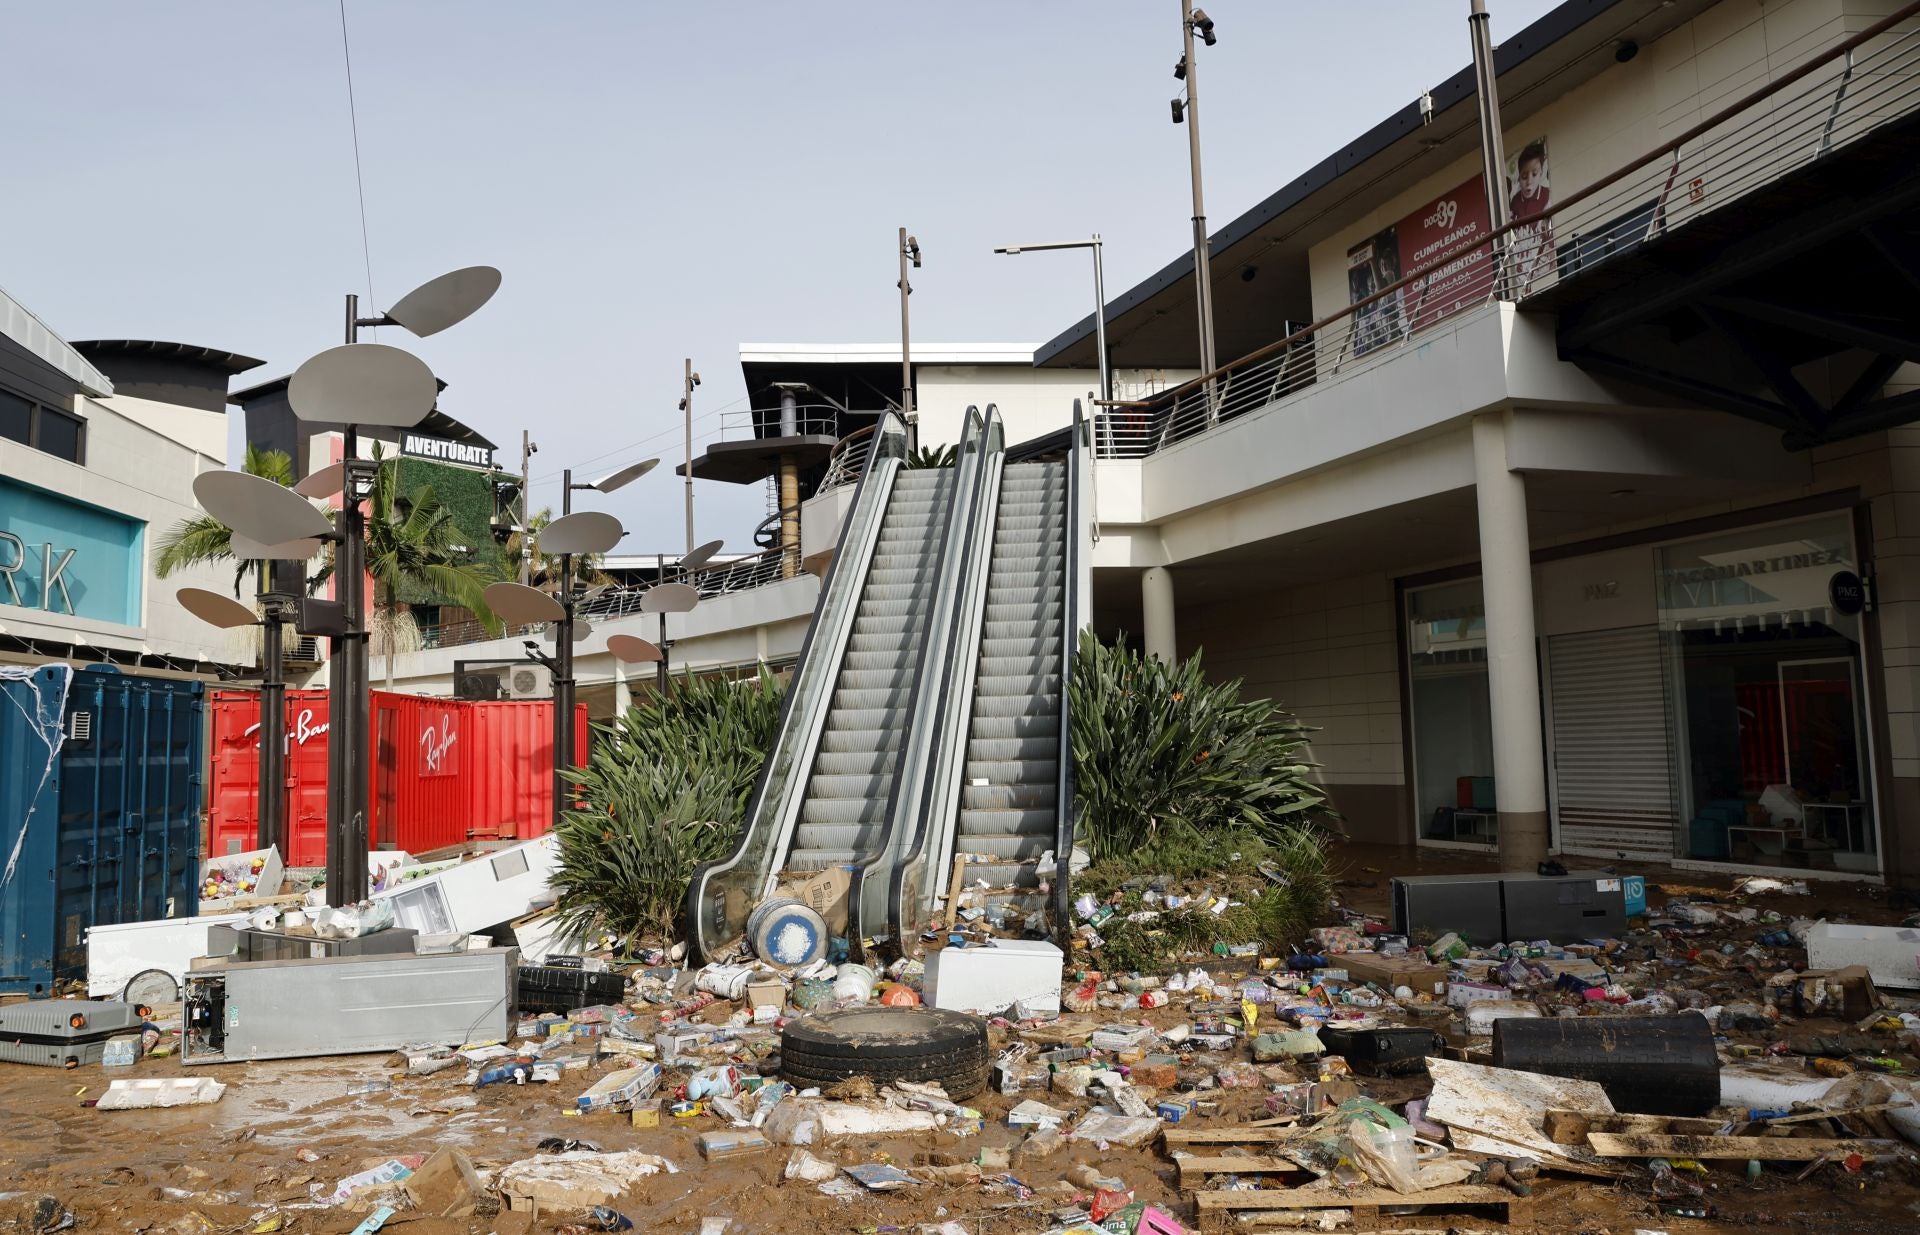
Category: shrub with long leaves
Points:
column 664, row 789
column 1165, row 760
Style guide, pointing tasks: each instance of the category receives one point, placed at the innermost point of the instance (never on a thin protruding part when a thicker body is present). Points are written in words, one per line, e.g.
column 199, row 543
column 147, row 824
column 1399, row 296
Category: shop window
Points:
column 1765, row 685
column 43, row 428
column 59, row 435
column 1452, row 714
column 16, row 418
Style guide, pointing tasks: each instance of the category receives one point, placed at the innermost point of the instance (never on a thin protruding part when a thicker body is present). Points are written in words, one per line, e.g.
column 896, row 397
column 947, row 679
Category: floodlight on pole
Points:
column 1099, row 296
column 1187, row 111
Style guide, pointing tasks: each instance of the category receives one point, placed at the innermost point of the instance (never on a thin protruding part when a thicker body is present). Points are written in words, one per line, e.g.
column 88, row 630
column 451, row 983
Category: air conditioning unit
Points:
column 529, row 682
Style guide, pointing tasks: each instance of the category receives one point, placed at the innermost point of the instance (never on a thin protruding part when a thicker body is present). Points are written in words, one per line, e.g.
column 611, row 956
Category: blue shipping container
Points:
column 101, row 782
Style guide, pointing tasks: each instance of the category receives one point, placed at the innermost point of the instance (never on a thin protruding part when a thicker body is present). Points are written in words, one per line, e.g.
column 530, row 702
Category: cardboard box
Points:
column 768, row 992
column 621, row 1088
column 825, row 892
column 1460, row 994
column 646, row 1113
column 1425, row 977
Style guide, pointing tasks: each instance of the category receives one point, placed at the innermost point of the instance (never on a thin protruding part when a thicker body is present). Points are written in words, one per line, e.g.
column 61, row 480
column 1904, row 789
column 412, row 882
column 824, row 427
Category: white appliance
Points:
column 479, row 893
column 157, row 953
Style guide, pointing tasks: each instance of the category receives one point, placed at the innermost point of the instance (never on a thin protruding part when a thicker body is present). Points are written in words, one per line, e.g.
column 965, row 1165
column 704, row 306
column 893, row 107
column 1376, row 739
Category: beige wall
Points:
column 1329, row 654
column 1730, row 50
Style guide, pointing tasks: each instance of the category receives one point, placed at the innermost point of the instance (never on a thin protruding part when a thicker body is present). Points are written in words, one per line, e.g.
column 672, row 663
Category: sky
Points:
column 655, row 180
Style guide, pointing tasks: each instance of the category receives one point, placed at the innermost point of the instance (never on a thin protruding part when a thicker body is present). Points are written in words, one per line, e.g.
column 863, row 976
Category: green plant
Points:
column 664, row 789
column 1170, row 767
column 930, row 456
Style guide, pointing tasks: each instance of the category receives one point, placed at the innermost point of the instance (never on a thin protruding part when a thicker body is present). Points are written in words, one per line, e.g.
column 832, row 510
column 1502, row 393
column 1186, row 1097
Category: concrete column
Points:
column 622, row 693
column 760, row 644
column 1156, row 605
column 1513, row 672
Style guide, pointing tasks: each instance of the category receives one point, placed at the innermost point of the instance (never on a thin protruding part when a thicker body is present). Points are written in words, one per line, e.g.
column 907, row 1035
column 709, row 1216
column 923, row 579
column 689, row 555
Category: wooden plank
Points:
column 1193, row 1169
column 1229, row 1200
column 1761, row 1148
column 1176, row 1137
column 1651, row 1124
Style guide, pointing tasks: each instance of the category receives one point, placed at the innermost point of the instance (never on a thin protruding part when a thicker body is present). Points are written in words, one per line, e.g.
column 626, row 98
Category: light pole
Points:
column 528, row 449
column 909, row 252
column 691, row 380
column 353, row 385
column 1099, row 297
column 1493, row 155
column 1187, row 112
column 229, row 614
column 570, row 534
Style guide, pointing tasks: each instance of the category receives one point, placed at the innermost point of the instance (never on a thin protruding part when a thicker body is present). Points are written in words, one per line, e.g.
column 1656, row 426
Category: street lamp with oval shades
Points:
column 625, row 476
column 698, row 559
column 582, row 533
column 444, row 301
column 632, row 649
column 519, row 605
column 215, row 609
column 323, row 483
column 259, row 509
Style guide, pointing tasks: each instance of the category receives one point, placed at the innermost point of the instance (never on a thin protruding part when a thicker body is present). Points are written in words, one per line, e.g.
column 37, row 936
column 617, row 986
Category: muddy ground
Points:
column 231, row 1161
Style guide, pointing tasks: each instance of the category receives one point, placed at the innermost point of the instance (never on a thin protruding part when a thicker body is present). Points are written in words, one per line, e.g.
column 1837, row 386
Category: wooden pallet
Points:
column 1366, row 1203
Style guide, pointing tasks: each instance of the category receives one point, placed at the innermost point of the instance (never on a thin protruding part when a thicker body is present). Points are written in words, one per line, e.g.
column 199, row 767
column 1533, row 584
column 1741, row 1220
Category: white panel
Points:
column 1613, row 791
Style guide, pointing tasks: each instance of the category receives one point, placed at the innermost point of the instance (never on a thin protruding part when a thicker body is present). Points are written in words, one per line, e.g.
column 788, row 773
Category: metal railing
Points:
column 1835, row 98
column 801, row 420
column 847, row 462
column 740, row 575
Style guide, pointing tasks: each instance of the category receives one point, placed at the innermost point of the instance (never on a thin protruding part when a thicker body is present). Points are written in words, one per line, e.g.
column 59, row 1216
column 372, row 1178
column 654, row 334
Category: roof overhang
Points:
column 21, row 327
column 1258, row 261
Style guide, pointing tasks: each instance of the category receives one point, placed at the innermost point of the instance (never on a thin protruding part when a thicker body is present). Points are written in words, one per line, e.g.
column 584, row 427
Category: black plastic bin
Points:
column 1649, row 1065
column 1386, row 1051
column 551, row 988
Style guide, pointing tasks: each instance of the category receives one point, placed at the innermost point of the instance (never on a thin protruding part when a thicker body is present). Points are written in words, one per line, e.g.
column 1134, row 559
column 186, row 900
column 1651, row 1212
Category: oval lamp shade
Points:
column 257, row 508
column 363, row 384
column 669, row 598
column 324, row 483
column 215, row 609
column 584, row 531
column 625, row 476
column 701, row 556
column 633, row 650
column 581, row 629
column 518, row 605
column 446, row 301
column 248, row 549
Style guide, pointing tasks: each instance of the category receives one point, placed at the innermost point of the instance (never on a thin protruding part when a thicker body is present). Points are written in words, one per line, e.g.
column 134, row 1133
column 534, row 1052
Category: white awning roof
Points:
column 18, row 323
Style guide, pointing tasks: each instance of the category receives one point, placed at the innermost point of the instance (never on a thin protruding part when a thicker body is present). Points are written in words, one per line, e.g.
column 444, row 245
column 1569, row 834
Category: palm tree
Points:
column 204, row 538
column 413, row 542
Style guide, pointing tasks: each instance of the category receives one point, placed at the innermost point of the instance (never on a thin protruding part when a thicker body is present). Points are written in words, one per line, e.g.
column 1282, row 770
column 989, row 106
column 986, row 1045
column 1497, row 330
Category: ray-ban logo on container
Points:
column 438, row 754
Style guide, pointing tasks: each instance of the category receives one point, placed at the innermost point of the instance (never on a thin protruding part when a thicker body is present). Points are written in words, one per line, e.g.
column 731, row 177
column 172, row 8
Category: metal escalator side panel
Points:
column 917, row 874
column 722, row 893
column 1078, row 585
column 869, row 898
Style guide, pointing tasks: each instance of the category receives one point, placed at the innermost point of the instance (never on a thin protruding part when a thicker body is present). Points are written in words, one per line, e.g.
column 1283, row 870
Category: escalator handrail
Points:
column 951, row 712
column 827, row 631
column 920, row 726
column 1076, row 568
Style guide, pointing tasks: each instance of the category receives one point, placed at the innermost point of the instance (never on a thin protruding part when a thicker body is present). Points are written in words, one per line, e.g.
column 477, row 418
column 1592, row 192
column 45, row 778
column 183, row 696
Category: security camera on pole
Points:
column 1187, row 111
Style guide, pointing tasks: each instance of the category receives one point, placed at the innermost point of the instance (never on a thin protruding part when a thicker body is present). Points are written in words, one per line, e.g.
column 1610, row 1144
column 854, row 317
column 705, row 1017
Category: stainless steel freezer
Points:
column 346, row 1005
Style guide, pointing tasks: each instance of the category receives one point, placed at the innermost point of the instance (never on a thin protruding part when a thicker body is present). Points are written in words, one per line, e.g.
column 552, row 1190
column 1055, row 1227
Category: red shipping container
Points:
column 444, row 771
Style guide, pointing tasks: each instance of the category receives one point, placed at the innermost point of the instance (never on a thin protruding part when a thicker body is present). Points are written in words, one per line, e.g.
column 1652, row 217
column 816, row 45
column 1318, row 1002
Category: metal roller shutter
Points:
column 1612, row 761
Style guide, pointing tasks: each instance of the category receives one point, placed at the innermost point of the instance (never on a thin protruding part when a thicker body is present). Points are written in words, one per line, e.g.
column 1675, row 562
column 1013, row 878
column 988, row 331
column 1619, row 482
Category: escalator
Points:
column 927, row 717
column 824, row 795
column 1000, row 791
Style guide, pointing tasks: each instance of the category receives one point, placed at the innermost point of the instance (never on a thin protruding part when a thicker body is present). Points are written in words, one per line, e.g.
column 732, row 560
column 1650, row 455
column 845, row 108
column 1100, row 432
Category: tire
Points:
column 151, row 986
column 886, row 1045
column 1649, row 1065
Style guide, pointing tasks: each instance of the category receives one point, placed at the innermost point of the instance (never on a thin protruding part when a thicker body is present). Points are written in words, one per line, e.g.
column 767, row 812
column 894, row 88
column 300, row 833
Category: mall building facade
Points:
column 1601, row 535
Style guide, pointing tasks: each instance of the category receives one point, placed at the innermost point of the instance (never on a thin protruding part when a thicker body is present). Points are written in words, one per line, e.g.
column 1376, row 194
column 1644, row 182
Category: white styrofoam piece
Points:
column 1497, row 1110
column 994, row 978
column 160, row 1091
column 479, row 893
column 1890, row 953
column 118, row 952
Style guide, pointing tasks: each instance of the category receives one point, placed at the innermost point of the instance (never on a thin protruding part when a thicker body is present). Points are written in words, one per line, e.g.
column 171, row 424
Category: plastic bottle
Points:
column 607, row 1218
